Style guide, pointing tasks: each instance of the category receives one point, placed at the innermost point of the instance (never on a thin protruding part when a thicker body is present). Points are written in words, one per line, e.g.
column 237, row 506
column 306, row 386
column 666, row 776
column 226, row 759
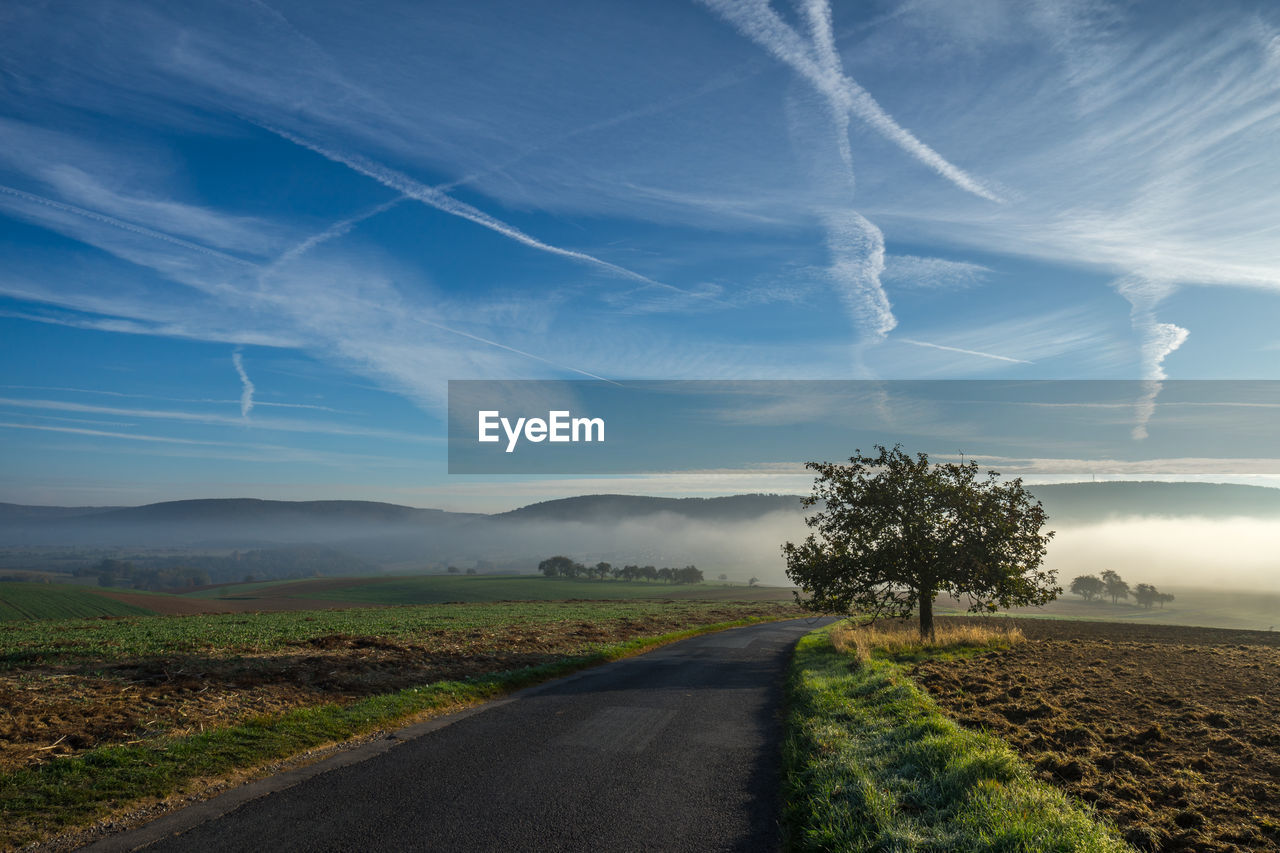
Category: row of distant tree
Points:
column 1111, row 585
column 566, row 567
column 125, row 573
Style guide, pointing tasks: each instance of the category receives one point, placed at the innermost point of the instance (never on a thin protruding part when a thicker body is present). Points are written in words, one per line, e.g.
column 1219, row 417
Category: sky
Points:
column 246, row 244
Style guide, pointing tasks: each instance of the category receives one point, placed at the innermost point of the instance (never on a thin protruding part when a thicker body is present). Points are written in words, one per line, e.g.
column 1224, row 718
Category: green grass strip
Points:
column 23, row 601
column 68, row 792
column 872, row 764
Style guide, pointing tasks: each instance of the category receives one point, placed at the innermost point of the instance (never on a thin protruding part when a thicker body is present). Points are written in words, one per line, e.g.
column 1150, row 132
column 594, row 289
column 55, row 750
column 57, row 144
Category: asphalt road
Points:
column 677, row 749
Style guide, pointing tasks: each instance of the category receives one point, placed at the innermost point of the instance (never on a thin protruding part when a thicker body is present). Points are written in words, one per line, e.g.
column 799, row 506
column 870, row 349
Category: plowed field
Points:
column 1173, row 733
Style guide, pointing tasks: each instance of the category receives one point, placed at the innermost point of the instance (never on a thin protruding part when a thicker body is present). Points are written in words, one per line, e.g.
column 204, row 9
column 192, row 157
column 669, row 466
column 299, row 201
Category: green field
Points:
column 434, row 589
column 243, row 590
column 226, row 635
column 55, row 601
column 438, row 589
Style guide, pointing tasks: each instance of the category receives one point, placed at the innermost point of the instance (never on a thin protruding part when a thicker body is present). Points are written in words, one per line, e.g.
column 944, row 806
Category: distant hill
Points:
column 1075, row 502
column 597, row 508
column 217, row 522
column 20, row 511
column 252, row 510
column 719, row 530
column 1089, row 502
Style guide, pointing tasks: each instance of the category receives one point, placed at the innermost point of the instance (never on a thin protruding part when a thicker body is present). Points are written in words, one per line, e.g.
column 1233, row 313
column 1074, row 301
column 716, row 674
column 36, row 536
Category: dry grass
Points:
column 902, row 639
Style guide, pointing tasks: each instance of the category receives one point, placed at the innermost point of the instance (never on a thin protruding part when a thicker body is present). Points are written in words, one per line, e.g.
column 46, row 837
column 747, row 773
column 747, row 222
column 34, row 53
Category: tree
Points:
column 1088, row 587
column 753, row 581
column 1148, row 596
column 689, row 574
column 602, row 570
column 560, row 566
column 722, row 577
column 1116, row 588
column 895, row 531
column 454, row 570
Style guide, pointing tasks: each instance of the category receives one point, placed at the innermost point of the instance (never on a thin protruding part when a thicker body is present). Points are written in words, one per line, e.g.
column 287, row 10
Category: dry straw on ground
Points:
column 897, row 638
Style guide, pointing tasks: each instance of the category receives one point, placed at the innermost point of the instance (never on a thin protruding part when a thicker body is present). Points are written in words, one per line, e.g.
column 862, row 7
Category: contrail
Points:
column 246, row 395
column 432, row 197
column 338, row 229
column 80, row 431
column 479, row 339
column 246, row 398
column 170, row 399
column 1159, row 340
column 857, row 259
column 855, row 243
column 756, row 20
column 965, row 351
column 122, row 225
column 822, row 33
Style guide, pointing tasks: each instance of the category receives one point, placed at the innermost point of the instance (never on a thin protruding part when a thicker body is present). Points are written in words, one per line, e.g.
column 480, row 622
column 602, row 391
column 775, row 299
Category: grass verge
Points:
column 40, row 802
column 871, row 763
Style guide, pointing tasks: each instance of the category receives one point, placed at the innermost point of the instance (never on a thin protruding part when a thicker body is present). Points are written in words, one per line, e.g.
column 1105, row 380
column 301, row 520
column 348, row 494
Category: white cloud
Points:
column 246, row 395
column 912, row 271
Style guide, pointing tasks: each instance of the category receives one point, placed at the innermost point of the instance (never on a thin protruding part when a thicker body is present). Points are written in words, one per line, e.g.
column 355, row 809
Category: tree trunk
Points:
column 926, row 614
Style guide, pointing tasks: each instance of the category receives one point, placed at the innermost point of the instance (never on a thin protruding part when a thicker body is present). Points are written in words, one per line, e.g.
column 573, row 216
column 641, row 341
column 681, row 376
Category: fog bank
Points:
column 1225, row 553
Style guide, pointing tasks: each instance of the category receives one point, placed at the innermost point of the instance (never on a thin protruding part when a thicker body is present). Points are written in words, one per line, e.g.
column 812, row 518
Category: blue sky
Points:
column 247, row 243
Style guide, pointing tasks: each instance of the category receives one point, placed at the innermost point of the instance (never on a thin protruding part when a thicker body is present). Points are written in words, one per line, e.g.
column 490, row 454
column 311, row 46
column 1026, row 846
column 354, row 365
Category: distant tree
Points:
column 689, row 574
column 602, row 570
column 559, row 566
column 630, row 572
column 1146, row 595
column 753, row 581
column 893, row 531
column 666, row 574
column 1088, row 587
column 722, row 576
column 471, row 571
column 454, row 570
column 1116, row 588
column 649, row 573
column 1163, row 597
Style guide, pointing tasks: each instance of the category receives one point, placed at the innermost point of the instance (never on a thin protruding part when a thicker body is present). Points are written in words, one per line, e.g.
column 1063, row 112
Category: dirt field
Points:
column 48, row 710
column 1173, row 733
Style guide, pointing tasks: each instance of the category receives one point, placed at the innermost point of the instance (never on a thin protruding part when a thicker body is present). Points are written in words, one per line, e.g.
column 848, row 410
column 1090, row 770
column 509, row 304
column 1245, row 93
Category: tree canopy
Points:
column 1088, row 587
column 893, row 531
column 1116, row 587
